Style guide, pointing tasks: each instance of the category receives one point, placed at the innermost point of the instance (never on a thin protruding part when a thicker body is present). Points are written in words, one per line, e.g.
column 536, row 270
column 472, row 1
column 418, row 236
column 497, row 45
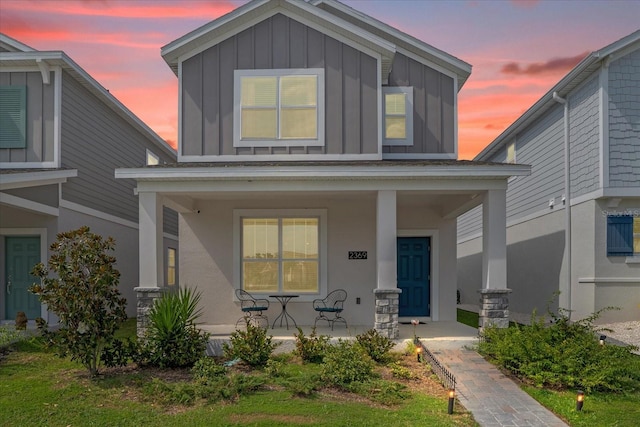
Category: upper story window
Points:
column 171, row 266
column 152, row 158
column 398, row 115
column 13, row 116
column 283, row 107
column 623, row 235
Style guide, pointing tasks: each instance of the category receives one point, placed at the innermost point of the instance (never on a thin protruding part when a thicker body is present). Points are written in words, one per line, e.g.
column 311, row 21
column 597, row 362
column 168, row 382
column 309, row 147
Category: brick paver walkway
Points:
column 492, row 398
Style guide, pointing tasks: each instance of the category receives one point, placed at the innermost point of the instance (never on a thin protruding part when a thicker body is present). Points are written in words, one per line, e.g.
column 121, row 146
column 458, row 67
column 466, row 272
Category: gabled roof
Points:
column 402, row 40
column 258, row 10
column 12, row 45
column 46, row 59
column 579, row 74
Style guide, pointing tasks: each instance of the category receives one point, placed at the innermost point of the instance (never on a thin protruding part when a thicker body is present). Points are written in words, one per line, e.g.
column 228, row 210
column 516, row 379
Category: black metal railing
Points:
column 446, row 377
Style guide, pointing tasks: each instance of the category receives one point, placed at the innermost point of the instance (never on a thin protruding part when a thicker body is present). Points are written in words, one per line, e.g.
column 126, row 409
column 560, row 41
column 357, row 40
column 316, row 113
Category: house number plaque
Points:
column 357, row 254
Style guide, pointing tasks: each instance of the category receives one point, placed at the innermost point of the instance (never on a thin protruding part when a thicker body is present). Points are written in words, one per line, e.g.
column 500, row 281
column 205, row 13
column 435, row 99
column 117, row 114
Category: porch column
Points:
column 386, row 292
column 151, row 274
column 494, row 301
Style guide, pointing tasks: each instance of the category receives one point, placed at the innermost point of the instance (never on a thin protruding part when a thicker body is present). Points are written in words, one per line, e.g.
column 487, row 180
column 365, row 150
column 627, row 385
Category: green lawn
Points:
column 468, row 318
column 39, row 389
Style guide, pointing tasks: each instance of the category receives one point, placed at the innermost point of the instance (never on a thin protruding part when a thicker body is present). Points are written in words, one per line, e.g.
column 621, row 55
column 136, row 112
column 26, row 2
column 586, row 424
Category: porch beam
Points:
column 452, row 212
column 386, row 236
column 180, row 204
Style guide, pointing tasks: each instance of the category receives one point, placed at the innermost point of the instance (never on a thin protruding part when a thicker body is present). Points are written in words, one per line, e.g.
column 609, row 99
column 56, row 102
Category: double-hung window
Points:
column 13, row 116
column 282, row 251
column 398, row 115
column 623, row 235
column 283, row 107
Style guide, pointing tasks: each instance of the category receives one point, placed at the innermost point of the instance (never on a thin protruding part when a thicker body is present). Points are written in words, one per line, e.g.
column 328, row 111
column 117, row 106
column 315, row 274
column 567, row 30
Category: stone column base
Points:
column 494, row 308
column 145, row 299
column 387, row 307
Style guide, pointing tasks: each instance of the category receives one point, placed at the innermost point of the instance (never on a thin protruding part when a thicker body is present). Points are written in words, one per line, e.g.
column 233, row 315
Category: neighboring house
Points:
column 317, row 150
column 61, row 137
column 588, row 249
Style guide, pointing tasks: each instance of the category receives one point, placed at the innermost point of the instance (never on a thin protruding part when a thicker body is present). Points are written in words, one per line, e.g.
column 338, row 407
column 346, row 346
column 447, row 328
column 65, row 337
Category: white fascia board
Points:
column 209, row 187
column 419, row 156
column 33, row 179
column 11, row 43
column 320, row 172
column 276, row 157
column 29, row 205
column 306, row 14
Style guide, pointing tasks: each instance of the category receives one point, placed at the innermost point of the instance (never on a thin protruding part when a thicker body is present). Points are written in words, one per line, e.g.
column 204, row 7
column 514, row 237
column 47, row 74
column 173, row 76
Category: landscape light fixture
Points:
column 603, row 338
column 452, row 397
column 419, row 352
column 579, row 400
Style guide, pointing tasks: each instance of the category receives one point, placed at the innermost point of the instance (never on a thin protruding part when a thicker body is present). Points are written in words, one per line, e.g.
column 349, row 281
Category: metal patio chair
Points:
column 252, row 308
column 331, row 304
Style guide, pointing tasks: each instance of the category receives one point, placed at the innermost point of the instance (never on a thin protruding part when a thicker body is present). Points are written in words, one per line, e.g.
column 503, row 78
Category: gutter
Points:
column 567, row 204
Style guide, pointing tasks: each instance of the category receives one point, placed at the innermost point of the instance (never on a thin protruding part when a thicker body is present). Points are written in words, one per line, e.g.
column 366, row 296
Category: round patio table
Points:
column 284, row 315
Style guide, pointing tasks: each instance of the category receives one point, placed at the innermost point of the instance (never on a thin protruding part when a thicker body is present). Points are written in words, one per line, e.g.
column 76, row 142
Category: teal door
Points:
column 21, row 254
column 414, row 255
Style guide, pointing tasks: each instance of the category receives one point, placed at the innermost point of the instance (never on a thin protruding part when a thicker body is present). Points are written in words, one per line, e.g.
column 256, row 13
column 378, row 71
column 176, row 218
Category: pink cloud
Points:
column 552, row 65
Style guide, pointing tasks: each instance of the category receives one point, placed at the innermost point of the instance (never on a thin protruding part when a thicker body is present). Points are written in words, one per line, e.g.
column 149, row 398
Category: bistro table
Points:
column 284, row 299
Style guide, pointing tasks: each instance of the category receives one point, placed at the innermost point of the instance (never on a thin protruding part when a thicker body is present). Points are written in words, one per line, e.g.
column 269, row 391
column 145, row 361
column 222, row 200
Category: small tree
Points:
column 84, row 295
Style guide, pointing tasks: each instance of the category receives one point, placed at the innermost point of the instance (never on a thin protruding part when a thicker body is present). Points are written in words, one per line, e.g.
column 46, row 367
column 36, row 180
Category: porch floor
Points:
column 447, row 334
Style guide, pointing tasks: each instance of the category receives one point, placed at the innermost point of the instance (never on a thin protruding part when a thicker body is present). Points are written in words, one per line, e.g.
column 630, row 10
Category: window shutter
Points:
column 619, row 236
column 13, row 116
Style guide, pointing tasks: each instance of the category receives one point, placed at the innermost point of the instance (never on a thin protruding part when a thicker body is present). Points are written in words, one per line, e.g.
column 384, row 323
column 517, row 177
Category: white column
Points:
column 494, row 240
column 151, row 241
column 386, row 236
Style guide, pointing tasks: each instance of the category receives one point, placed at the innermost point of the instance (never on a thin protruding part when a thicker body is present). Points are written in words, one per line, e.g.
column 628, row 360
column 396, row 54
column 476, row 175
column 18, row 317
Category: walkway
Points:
column 492, row 398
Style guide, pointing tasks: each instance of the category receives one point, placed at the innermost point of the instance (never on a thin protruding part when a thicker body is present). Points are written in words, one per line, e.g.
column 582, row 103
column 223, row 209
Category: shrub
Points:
column 345, row 363
column 387, row 393
column 312, row 348
column 375, row 345
column 206, row 370
column 399, row 371
column 173, row 339
column 252, row 346
column 563, row 354
column 84, row 295
column 120, row 352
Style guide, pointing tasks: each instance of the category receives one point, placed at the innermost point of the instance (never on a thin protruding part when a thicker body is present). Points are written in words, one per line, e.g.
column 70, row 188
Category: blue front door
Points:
column 414, row 255
column 22, row 253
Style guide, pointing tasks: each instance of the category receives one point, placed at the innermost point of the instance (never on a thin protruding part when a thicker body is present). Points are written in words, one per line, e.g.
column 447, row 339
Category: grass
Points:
column 40, row 389
column 468, row 318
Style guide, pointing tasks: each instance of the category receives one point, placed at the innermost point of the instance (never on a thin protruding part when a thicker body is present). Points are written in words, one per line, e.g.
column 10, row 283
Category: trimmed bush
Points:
column 312, row 348
column 252, row 346
column 375, row 345
column 345, row 363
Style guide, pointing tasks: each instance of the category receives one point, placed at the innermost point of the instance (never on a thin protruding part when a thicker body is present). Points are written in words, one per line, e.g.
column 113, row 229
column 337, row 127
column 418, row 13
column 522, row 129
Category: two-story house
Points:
column 574, row 223
column 62, row 135
column 318, row 150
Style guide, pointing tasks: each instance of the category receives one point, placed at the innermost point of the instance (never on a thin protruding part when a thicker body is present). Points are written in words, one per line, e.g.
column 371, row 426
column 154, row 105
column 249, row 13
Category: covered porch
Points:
column 369, row 208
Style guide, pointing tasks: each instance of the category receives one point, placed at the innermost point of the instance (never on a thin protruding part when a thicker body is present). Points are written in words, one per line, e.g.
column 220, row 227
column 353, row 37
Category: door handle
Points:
column 9, row 284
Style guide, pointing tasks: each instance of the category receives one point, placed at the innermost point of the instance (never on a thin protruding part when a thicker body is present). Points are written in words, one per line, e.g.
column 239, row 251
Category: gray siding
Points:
column 470, row 223
column 279, row 42
column 433, row 109
column 96, row 141
column 584, row 131
column 45, row 194
column 170, row 221
column 624, row 121
column 40, row 103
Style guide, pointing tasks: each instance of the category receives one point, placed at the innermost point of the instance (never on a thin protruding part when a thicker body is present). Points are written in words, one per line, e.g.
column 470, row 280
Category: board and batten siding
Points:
column 584, row 137
column 624, row 121
column 96, row 141
column 351, row 112
column 433, row 107
column 40, row 118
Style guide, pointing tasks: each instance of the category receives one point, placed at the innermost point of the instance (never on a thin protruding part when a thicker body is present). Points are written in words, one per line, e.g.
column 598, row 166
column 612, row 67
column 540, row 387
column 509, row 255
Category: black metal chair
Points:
column 252, row 308
column 331, row 304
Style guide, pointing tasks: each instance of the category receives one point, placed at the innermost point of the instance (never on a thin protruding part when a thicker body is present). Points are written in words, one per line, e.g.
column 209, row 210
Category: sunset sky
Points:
column 518, row 49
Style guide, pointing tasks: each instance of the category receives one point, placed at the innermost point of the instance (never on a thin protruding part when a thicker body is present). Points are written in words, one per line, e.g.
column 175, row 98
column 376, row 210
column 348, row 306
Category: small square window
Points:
column 398, row 115
column 152, row 159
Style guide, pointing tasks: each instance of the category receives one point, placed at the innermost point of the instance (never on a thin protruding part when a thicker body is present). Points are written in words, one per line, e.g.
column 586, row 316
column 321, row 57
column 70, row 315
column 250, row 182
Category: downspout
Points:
column 567, row 198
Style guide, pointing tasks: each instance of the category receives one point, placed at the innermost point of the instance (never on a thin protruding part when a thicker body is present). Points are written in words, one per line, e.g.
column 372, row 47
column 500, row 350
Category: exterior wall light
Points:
column 452, row 397
column 579, row 400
